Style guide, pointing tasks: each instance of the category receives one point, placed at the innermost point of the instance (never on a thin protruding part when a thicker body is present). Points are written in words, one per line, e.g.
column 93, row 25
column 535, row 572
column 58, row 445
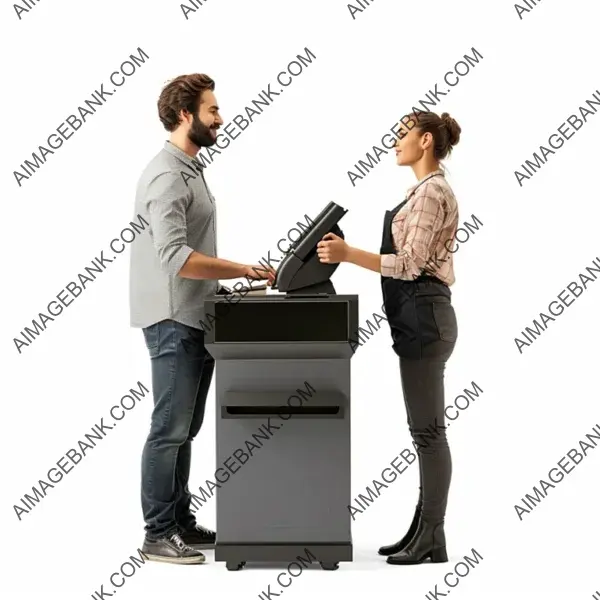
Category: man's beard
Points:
column 199, row 134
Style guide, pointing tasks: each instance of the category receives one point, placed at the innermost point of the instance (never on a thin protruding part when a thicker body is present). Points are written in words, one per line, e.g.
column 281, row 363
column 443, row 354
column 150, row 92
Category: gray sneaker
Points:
column 172, row 549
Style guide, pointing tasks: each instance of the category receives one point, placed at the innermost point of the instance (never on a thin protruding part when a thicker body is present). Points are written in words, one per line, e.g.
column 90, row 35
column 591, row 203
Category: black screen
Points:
column 281, row 322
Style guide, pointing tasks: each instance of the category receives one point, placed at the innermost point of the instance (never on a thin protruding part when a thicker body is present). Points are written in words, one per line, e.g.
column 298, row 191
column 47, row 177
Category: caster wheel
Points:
column 234, row 566
column 330, row 566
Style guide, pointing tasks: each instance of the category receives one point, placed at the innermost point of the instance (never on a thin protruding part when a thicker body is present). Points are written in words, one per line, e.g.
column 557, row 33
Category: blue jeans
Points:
column 182, row 372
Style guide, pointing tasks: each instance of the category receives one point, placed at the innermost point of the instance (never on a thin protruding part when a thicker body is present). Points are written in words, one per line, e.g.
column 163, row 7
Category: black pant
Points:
column 423, row 389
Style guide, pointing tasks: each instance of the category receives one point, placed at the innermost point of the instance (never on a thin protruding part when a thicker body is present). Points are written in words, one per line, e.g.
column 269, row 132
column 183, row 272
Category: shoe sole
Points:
column 190, row 560
column 432, row 560
column 412, row 562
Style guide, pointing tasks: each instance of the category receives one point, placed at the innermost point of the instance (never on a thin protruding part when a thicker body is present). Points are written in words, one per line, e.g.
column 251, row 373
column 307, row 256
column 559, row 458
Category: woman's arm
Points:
column 333, row 249
column 362, row 258
column 415, row 244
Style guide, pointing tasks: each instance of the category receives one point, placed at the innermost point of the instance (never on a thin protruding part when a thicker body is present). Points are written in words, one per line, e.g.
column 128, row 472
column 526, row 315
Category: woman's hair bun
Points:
column 452, row 127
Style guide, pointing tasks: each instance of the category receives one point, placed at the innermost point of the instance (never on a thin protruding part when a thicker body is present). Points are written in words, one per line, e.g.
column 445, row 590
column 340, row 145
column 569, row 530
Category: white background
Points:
column 290, row 162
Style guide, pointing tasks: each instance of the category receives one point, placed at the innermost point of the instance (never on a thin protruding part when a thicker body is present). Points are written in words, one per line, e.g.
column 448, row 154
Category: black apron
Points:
column 411, row 306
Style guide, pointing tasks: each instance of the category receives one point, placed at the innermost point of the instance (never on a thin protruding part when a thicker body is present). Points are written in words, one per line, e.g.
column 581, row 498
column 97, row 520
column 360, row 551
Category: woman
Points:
column 415, row 262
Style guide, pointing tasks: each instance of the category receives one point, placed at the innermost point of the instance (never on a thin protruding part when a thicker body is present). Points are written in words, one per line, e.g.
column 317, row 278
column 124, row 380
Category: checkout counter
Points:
column 282, row 377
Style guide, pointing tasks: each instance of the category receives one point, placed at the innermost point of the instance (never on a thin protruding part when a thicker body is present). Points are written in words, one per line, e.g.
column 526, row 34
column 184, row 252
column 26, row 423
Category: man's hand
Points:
column 260, row 273
column 332, row 249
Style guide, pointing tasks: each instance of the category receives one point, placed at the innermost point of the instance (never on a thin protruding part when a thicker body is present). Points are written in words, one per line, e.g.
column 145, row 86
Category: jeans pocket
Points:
column 192, row 343
column 445, row 321
column 152, row 337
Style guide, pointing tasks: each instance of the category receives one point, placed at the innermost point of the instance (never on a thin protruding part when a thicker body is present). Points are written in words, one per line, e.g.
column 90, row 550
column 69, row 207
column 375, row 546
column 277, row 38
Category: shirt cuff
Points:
column 388, row 265
column 178, row 259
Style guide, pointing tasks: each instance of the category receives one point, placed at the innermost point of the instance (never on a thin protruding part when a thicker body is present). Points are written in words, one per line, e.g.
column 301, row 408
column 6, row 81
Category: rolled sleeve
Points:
column 167, row 201
column 388, row 265
column 415, row 242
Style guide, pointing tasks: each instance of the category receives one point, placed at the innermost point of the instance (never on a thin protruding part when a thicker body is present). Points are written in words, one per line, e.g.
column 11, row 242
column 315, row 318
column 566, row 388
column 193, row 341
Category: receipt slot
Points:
column 282, row 376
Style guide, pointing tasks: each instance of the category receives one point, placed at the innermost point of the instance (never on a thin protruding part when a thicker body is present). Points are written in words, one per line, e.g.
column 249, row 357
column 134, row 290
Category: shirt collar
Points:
column 413, row 189
column 191, row 161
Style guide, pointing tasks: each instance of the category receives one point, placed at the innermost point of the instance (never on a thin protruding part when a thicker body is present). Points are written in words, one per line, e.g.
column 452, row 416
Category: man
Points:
column 173, row 268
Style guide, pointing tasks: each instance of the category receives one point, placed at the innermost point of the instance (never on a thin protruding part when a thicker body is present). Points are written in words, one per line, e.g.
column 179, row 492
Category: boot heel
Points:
column 439, row 555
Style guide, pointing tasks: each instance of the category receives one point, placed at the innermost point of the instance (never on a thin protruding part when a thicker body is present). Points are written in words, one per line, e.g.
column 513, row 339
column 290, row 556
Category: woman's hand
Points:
column 332, row 249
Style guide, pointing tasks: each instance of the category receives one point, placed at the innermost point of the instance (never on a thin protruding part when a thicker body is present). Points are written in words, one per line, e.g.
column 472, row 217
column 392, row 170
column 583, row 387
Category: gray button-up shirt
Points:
column 172, row 196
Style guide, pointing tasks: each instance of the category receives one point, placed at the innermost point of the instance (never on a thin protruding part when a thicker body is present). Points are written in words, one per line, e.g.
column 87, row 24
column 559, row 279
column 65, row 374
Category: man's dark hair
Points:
column 183, row 92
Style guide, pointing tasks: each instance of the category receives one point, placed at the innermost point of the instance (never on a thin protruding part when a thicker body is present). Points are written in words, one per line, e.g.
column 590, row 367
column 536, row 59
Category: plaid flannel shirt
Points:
column 423, row 232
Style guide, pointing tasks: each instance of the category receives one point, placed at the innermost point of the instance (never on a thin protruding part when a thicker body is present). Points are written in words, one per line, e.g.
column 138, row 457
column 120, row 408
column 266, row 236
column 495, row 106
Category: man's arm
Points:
column 200, row 266
column 167, row 205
